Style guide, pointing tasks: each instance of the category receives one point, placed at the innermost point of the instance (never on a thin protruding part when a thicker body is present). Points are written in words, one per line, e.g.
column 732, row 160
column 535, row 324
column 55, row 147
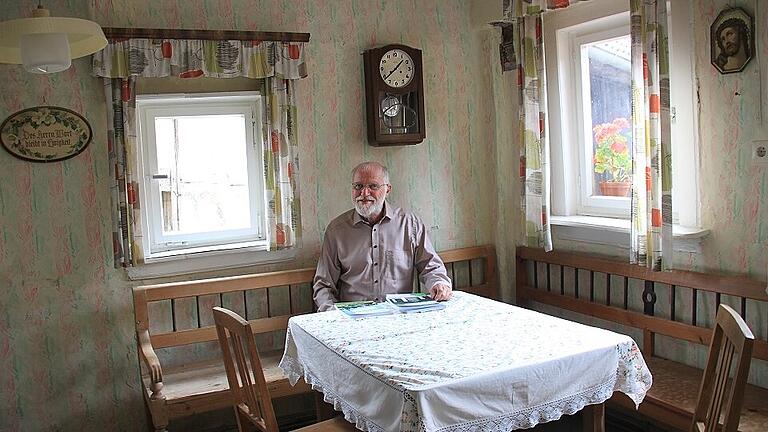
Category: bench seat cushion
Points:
column 202, row 386
column 672, row 398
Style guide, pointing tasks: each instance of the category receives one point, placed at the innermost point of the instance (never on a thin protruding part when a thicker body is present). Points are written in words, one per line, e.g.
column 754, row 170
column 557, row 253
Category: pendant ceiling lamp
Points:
column 45, row 44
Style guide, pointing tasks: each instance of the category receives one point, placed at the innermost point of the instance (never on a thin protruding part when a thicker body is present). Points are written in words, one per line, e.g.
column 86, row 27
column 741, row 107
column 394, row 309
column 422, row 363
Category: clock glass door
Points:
column 398, row 113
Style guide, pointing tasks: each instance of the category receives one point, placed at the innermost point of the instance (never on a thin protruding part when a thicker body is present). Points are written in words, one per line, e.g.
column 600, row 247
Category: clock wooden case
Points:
column 394, row 95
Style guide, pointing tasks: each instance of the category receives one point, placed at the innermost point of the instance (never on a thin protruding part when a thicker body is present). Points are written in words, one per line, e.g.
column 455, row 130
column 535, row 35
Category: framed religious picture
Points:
column 732, row 40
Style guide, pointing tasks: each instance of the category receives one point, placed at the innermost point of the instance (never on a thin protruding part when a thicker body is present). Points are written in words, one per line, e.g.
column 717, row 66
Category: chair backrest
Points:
column 731, row 339
column 250, row 397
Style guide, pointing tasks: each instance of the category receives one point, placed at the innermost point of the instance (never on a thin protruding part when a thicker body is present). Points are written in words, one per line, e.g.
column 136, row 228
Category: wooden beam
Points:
column 113, row 33
column 227, row 284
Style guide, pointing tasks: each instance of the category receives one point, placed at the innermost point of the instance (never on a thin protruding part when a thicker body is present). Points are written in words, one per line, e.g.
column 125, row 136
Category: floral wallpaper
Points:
column 67, row 348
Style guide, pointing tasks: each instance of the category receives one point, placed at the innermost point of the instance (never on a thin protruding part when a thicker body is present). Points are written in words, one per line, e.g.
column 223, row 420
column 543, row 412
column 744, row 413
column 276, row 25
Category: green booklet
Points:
column 414, row 302
column 359, row 309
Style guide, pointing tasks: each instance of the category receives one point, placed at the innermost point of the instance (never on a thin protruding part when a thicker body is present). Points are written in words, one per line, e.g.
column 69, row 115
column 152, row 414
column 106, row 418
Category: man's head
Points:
column 370, row 187
column 731, row 35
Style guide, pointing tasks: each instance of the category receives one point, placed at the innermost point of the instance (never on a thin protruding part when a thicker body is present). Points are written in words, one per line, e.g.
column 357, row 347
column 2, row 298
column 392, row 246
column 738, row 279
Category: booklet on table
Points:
column 359, row 309
column 414, row 302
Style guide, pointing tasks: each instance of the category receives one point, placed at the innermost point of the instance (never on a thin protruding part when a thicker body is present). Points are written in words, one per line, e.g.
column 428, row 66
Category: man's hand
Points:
column 440, row 292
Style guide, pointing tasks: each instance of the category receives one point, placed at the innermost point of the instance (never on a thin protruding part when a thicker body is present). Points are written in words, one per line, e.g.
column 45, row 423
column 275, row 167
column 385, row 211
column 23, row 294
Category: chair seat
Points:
column 336, row 424
column 677, row 385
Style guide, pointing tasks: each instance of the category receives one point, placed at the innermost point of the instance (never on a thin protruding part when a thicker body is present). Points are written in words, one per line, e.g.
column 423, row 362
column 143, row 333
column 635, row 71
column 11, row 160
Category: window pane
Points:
column 204, row 158
column 611, row 111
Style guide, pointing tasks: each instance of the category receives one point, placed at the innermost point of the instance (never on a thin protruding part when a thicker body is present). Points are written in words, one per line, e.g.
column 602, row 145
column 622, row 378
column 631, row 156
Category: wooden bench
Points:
column 182, row 370
column 652, row 303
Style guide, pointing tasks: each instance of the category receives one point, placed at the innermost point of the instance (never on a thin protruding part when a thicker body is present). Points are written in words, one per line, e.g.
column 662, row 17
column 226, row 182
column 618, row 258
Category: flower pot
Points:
column 618, row 189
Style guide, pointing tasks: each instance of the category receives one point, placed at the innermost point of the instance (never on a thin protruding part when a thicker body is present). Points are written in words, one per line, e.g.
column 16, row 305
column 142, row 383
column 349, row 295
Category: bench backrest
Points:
column 631, row 295
column 268, row 300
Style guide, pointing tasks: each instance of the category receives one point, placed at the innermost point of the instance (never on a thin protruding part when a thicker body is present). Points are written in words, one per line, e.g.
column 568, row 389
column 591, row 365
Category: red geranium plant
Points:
column 612, row 152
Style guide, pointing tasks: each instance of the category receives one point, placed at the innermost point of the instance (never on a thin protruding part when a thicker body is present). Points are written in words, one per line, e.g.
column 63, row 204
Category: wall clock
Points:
column 394, row 95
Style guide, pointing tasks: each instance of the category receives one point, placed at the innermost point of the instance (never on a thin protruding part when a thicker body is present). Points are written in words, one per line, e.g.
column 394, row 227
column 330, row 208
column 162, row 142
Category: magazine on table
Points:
column 414, row 302
column 359, row 309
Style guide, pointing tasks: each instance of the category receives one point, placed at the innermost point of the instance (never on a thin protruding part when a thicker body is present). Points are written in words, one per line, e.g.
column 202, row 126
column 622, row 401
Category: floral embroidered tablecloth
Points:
column 477, row 365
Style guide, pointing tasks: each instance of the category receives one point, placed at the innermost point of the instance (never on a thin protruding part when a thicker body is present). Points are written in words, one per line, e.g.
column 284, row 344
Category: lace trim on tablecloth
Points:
column 530, row 417
column 294, row 370
column 525, row 419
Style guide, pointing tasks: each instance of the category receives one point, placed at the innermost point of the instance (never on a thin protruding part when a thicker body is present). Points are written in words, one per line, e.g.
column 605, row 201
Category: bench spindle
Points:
column 197, row 306
column 549, row 285
column 576, row 281
column 173, row 314
column 591, row 286
column 694, row 305
column 607, row 289
column 626, row 293
column 290, row 301
column 672, row 302
column 562, row 281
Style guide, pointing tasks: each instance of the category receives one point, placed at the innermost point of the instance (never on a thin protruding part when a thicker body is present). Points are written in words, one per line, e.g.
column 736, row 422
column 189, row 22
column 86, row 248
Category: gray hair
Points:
column 369, row 165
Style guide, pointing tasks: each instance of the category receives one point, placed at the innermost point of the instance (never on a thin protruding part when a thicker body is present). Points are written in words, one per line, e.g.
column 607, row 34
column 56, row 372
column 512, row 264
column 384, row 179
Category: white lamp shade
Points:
column 82, row 38
column 45, row 52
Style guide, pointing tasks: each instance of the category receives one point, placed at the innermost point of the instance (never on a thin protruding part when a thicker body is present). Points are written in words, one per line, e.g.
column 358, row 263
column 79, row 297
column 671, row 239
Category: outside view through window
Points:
column 204, row 159
column 608, row 65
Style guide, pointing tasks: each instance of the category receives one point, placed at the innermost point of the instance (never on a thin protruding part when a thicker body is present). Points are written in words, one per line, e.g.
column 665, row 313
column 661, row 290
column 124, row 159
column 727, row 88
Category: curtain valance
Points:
column 512, row 9
column 192, row 58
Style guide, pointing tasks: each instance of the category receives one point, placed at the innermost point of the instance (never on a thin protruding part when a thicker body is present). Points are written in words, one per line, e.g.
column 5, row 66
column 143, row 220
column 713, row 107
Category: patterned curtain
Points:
column 121, row 142
column 276, row 63
column 281, row 162
column 525, row 18
column 652, row 154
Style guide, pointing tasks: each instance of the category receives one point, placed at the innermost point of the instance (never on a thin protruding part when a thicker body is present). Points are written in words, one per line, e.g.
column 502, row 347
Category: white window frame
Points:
column 607, row 28
column 160, row 246
column 562, row 31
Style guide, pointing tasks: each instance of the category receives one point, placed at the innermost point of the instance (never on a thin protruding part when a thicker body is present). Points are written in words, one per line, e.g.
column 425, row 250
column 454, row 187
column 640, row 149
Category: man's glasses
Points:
column 373, row 187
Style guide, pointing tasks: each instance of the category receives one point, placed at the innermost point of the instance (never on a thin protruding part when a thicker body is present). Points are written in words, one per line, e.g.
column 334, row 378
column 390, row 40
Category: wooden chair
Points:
column 731, row 338
column 247, row 385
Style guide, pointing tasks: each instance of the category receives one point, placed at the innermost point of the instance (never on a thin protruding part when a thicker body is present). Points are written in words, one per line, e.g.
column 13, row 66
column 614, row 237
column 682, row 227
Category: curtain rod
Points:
column 144, row 33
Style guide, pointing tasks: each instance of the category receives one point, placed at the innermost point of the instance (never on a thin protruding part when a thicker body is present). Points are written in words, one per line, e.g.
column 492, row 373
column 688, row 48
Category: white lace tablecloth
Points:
column 478, row 365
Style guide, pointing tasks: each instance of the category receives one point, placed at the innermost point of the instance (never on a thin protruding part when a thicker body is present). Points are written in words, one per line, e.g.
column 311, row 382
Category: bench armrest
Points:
column 152, row 362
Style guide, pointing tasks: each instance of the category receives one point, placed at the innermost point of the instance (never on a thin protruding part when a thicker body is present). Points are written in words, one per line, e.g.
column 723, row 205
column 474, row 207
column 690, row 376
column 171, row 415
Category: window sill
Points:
column 615, row 232
column 204, row 261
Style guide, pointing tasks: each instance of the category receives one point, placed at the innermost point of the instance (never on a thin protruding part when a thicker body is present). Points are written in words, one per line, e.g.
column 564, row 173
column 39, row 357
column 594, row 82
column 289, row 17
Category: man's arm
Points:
column 326, row 276
column 430, row 266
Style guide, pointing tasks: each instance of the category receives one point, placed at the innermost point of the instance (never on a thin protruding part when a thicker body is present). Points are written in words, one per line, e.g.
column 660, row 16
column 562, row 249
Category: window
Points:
column 202, row 172
column 587, row 50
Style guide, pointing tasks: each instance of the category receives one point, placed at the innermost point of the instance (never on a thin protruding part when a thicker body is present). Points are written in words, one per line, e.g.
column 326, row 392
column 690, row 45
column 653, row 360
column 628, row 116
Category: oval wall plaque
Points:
column 45, row 134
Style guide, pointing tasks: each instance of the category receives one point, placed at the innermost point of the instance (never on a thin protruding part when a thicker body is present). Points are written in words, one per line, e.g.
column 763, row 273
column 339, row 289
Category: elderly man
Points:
column 373, row 250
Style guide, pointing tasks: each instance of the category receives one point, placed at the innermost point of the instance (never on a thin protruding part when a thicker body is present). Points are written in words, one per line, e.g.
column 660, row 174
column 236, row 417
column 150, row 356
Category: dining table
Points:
column 476, row 365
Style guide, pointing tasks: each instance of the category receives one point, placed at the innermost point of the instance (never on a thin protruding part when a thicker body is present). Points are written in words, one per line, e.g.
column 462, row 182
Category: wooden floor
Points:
column 616, row 421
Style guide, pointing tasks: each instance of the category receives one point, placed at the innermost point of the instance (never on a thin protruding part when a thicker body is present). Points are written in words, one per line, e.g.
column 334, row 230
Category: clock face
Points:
column 396, row 68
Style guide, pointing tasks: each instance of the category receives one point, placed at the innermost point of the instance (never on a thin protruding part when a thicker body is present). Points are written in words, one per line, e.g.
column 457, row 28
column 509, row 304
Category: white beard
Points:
column 368, row 209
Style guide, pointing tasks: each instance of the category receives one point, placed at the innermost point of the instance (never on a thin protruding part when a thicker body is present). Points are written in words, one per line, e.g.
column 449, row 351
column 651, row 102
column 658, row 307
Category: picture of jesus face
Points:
column 731, row 40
